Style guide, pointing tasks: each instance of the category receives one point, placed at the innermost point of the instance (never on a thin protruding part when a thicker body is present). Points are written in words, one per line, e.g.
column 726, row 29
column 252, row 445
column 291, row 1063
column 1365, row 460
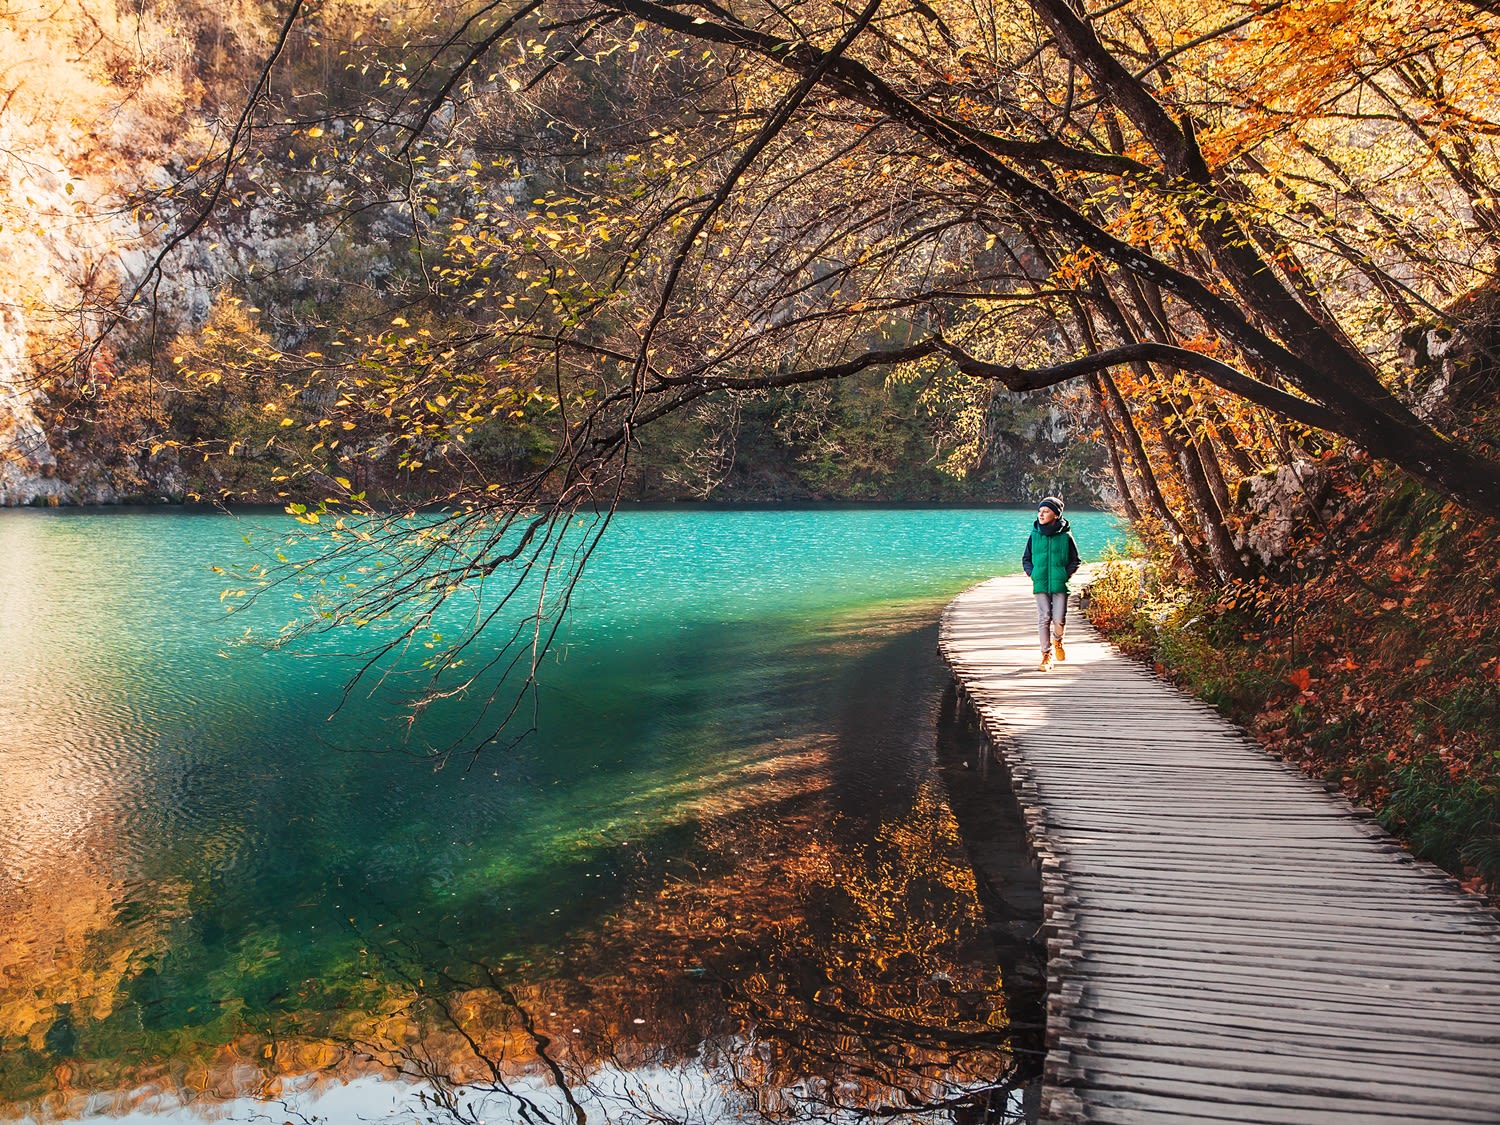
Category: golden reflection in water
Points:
column 807, row 966
column 40, row 820
column 791, row 957
column 60, row 950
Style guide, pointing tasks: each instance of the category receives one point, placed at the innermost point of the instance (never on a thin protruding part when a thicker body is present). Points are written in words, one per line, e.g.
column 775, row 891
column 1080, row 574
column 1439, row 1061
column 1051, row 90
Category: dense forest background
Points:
column 1230, row 266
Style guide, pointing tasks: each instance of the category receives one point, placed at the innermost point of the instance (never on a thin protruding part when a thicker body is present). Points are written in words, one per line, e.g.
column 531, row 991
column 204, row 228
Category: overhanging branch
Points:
column 1216, row 371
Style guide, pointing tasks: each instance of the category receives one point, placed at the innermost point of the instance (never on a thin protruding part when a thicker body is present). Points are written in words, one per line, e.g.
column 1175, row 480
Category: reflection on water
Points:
column 727, row 872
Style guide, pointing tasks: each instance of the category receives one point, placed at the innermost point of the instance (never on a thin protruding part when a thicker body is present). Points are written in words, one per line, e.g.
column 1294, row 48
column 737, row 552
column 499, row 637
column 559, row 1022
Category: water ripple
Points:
column 191, row 852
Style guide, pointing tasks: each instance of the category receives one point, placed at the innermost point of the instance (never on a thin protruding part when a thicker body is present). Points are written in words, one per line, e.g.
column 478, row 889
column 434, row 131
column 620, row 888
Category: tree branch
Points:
column 1215, row 371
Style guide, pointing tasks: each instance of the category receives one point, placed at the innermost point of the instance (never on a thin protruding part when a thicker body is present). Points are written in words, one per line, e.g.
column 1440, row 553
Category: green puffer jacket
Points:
column 1050, row 557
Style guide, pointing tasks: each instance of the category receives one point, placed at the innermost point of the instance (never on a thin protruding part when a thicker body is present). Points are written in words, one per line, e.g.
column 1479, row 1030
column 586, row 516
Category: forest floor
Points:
column 1372, row 659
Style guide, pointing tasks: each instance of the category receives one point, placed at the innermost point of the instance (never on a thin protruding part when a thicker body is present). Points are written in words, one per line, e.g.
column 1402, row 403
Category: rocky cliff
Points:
column 92, row 103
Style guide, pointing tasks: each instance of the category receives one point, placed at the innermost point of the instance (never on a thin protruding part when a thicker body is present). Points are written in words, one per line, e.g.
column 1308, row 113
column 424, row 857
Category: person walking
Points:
column 1050, row 558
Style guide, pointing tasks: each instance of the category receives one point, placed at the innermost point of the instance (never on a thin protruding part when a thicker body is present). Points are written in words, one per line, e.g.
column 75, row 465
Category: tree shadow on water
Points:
column 787, row 969
column 1007, row 879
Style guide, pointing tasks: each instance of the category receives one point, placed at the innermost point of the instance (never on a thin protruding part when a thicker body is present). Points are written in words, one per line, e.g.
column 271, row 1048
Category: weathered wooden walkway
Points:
column 1226, row 941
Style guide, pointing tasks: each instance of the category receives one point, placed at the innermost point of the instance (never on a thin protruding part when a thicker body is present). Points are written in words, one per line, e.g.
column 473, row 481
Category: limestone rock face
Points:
column 1276, row 506
column 1031, row 448
column 27, row 466
column 94, row 100
column 30, row 272
column 1452, row 365
column 51, row 245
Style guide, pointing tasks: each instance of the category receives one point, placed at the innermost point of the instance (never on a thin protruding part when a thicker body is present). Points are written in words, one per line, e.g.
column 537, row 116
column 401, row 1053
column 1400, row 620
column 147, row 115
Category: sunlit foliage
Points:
column 515, row 237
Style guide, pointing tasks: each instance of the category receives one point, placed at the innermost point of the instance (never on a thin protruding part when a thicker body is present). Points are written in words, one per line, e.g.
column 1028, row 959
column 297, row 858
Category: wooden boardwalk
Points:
column 1227, row 942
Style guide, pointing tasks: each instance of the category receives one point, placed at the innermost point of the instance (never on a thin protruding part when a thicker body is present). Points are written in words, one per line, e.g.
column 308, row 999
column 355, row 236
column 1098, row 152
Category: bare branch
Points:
column 1183, row 359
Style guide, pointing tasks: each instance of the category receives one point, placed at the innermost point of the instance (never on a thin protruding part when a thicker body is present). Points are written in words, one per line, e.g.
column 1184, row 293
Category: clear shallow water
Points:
column 727, row 852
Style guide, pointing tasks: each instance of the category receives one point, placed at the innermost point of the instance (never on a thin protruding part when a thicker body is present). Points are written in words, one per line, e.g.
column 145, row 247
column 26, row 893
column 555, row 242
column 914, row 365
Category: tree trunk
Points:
column 1229, row 440
column 1226, row 560
column 1112, row 439
column 1187, row 550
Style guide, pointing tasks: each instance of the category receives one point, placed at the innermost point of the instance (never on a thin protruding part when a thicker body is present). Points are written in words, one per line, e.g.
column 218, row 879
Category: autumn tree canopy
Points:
column 1251, row 234
column 1261, row 197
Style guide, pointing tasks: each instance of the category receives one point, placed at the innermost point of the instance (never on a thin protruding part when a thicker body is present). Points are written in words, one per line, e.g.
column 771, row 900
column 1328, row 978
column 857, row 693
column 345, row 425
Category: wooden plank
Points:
column 1117, row 1107
column 1256, row 1060
column 1307, row 1036
column 1304, row 901
column 1186, row 853
column 1187, row 907
column 1327, row 935
column 1227, row 941
column 1162, row 1101
column 1157, row 1111
column 1326, row 1091
column 1374, row 964
column 1223, row 876
column 1108, row 869
column 1214, row 1005
column 1267, row 976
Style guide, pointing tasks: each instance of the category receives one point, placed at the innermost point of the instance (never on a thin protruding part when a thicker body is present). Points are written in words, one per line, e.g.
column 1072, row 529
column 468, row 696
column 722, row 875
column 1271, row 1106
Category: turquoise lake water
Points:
column 725, row 862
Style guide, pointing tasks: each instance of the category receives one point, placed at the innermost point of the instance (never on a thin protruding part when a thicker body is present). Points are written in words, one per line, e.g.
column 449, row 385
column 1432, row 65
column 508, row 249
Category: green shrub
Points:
column 1454, row 823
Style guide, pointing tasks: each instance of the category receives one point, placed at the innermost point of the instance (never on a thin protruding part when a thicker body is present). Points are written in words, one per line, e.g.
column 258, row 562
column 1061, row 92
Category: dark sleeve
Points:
column 1026, row 558
column 1073, row 559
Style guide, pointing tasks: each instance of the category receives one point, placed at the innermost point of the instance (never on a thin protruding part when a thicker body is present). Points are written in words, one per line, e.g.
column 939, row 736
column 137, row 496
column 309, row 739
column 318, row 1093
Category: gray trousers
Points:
column 1051, row 617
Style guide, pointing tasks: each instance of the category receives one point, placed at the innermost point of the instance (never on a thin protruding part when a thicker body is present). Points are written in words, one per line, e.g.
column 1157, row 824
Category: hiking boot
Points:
column 1057, row 649
column 1046, row 662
